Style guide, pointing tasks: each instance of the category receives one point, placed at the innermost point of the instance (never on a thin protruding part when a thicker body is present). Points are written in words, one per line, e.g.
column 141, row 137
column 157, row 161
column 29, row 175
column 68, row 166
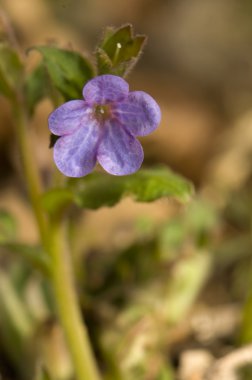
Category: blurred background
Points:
column 169, row 286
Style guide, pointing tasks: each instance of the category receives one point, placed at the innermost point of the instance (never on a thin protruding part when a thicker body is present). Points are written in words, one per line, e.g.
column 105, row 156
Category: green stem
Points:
column 67, row 304
column 53, row 239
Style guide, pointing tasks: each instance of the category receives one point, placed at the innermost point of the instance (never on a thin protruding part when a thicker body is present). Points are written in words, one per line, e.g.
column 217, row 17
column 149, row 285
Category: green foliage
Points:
column 132, row 265
column 35, row 255
column 201, row 217
column 146, row 185
column 36, row 87
column 99, row 189
column 172, row 237
column 198, row 223
column 119, row 51
column 16, row 326
column 8, row 226
column 11, row 70
column 68, row 71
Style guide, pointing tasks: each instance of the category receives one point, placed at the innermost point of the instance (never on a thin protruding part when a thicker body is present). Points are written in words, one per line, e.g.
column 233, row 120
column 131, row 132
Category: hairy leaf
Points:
column 147, row 185
column 36, row 87
column 68, row 70
column 100, row 189
column 119, row 51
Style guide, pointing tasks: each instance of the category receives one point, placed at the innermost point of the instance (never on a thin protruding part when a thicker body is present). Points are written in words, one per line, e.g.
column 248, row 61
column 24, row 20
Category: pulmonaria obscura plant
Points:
column 102, row 128
column 96, row 118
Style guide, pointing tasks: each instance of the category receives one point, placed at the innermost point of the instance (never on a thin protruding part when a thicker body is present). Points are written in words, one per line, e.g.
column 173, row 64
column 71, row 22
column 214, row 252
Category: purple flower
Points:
column 103, row 127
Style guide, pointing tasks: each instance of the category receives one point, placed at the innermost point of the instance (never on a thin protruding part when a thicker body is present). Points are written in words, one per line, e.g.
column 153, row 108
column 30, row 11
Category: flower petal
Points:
column 68, row 117
column 119, row 153
column 139, row 113
column 105, row 89
column 75, row 154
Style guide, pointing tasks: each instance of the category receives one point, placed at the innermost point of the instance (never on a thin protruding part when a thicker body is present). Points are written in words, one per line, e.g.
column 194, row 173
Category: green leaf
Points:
column 36, row 87
column 119, row 51
column 68, row 70
column 147, row 185
column 37, row 257
column 8, row 226
column 100, row 189
column 11, row 70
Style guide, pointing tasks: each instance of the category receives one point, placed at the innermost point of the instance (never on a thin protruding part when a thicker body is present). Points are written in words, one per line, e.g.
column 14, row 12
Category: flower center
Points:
column 102, row 112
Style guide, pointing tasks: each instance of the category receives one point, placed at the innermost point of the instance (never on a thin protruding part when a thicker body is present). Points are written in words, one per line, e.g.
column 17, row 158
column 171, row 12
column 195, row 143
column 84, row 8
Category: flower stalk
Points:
column 53, row 240
column 67, row 304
